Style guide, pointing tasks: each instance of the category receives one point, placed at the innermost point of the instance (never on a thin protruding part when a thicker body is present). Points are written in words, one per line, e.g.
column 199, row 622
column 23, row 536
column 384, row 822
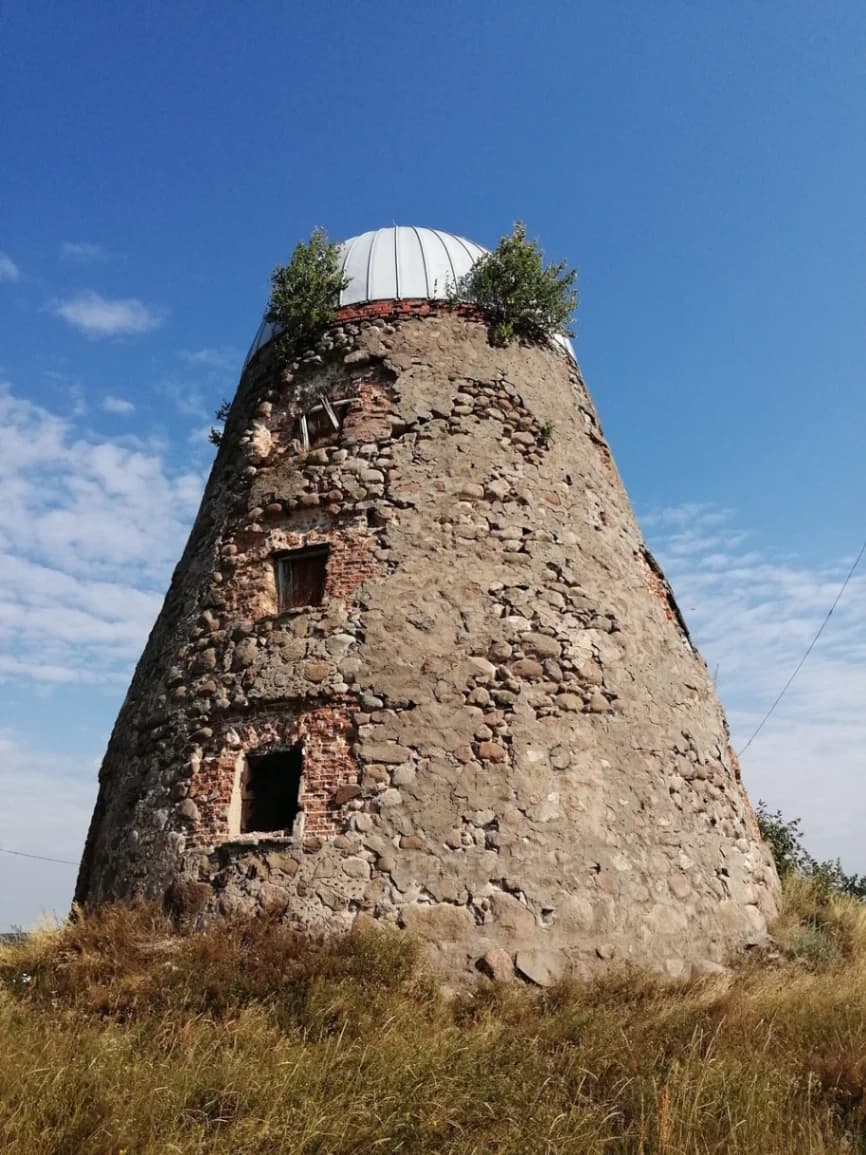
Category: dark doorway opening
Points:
column 271, row 790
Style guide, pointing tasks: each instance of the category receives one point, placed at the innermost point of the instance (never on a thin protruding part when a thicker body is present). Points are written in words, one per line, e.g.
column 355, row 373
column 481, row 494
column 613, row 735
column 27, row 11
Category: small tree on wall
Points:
column 305, row 293
column 519, row 295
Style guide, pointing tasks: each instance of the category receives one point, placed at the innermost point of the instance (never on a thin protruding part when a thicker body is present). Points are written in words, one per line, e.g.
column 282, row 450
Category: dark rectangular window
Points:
column 301, row 577
column 271, row 789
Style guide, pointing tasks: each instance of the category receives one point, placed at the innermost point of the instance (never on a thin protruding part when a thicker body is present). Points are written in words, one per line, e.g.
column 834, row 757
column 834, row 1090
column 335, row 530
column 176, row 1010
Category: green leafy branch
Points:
column 519, row 295
column 305, row 293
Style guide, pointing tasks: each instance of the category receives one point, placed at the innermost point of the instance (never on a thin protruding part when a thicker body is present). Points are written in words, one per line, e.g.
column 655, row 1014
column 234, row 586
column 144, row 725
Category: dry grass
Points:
column 115, row 1038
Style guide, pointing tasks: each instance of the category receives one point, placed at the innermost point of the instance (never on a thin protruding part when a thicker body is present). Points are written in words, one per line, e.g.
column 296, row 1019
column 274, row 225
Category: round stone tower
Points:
column 417, row 664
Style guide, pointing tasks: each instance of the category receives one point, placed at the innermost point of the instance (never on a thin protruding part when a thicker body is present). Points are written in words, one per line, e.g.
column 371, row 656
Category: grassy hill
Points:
column 116, row 1038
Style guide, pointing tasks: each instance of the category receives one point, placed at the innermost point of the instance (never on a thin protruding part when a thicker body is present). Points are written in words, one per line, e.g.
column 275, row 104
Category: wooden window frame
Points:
column 284, row 576
column 329, row 408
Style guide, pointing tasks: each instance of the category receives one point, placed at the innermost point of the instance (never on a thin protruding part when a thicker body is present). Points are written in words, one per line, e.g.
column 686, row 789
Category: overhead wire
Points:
column 809, row 649
column 40, row 857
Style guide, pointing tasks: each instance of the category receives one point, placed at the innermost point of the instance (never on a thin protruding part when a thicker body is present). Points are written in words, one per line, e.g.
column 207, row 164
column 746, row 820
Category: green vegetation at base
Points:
column 785, row 840
column 118, row 1037
column 519, row 295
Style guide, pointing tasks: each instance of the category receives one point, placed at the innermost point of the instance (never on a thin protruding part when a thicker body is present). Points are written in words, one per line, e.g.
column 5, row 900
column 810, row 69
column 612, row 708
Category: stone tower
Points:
column 417, row 662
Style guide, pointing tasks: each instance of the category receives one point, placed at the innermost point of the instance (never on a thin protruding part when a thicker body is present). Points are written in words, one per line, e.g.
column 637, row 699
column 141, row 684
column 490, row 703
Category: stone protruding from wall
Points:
column 510, row 746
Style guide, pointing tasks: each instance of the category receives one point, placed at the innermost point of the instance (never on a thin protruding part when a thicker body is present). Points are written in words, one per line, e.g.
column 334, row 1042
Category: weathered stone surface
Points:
column 542, row 967
column 492, row 752
column 507, row 739
column 438, row 923
column 541, row 644
column 188, row 810
column 679, row 886
column 273, row 899
column 471, row 491
column 513, row 918
column 344, row 794
column 390, row 754
column 571, row 702
column 411, row 842
column 356, row 867
column 497, row 965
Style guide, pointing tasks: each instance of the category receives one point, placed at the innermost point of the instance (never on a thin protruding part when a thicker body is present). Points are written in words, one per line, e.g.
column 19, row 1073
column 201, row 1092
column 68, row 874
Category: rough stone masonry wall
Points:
column 510, row 745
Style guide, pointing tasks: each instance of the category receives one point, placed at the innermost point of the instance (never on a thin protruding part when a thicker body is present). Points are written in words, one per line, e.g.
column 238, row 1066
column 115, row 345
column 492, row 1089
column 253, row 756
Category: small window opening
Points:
column 324, row 421
column 271, row 790
column 301, row 577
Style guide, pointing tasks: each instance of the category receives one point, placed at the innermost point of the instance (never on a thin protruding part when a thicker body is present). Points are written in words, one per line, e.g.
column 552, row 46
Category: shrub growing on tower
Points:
column 520, row 296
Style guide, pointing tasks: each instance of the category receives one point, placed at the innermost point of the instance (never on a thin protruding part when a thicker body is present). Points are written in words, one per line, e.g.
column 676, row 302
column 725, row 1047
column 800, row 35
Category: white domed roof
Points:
column 404, row 263
column 398, row 263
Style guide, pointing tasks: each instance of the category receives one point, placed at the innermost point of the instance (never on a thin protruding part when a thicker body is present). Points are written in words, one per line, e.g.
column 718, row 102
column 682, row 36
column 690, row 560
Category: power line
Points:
column 809, row 649
column 41, row 857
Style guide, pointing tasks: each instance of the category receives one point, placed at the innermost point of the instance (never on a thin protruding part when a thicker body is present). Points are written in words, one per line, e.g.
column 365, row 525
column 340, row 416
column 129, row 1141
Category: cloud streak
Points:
column 752, row 614
column 9, row 271
column 117, row 405
column 224, row 360
column 83, row 253
column 89, row 532
column 97, row 316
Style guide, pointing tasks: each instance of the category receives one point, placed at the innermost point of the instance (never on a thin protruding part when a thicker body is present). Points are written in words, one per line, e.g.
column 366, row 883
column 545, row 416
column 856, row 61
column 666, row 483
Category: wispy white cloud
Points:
column 69, row 388
column 210, row 376
column 753, row 613
column 83, row 252
column 89, row 532
column 187, row 396
column 224, row 359
column 90, row 529
column 9, row 271
column 98, row 316
column 118, row 405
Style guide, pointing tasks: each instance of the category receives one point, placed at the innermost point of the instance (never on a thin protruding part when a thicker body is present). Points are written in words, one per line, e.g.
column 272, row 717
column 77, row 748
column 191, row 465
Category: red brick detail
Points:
column 253, row 591
column 350, row 562
column 369, row 422
column 329, row 763
column 658, row 588
column 211, row 790
column 404, row 310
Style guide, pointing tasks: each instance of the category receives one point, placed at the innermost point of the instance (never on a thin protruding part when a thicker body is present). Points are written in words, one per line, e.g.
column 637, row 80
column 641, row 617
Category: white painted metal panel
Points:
column 412, row 270
column 440, row 273
column 381, row 266
column 354, row 256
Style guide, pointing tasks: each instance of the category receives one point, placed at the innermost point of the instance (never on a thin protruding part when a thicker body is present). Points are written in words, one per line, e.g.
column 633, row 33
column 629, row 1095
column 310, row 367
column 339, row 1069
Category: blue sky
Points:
column 701, row 164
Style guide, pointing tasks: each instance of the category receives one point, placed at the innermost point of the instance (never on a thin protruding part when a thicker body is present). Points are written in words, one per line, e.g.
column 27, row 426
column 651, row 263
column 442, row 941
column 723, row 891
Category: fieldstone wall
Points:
column 510, row 745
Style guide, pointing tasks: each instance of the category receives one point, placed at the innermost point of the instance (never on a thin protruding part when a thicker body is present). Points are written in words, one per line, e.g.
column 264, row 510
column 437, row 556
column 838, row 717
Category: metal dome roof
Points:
column 395, row 263
column 398, row 263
